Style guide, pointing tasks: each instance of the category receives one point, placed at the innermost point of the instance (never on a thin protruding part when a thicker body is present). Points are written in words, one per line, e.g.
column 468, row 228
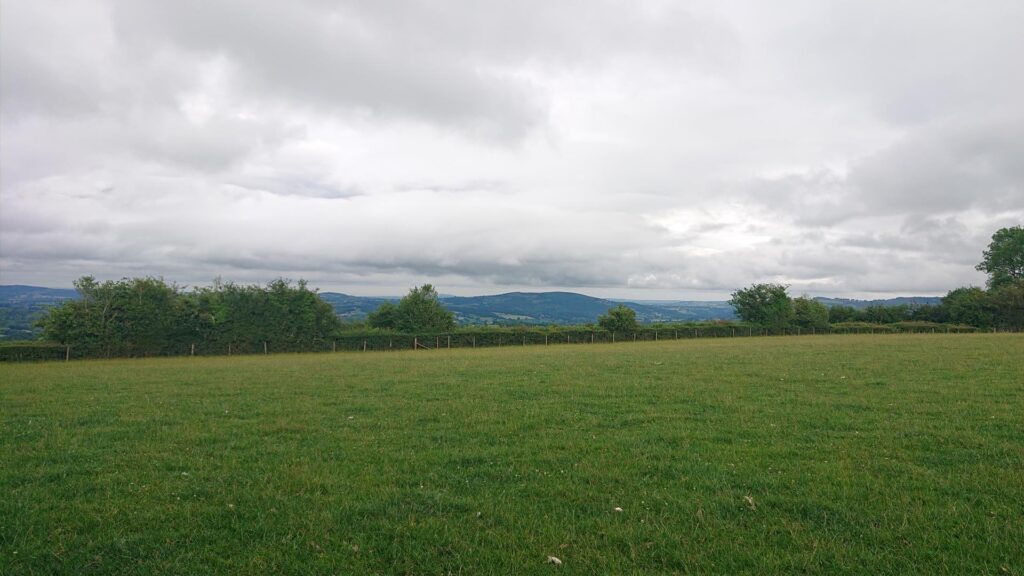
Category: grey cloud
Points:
column 598, row 145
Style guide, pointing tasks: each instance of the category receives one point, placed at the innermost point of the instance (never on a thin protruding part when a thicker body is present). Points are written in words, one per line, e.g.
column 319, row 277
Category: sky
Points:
column 636, row 149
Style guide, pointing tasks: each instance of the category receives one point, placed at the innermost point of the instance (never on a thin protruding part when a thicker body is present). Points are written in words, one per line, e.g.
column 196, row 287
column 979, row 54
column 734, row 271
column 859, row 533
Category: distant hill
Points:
column 30, row 296
column 539, row 308
column 901, row 301
column 353, row 308
column 21, row 306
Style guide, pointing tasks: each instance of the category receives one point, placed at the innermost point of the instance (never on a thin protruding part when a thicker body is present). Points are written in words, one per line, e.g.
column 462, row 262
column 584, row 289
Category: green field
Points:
column 828, row 455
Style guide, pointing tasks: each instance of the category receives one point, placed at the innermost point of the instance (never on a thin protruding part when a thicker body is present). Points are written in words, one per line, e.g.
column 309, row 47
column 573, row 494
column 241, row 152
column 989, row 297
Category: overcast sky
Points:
column 636, row 149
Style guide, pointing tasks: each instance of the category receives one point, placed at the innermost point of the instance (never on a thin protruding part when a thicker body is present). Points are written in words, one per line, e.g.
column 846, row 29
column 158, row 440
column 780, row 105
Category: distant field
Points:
column 828, row 455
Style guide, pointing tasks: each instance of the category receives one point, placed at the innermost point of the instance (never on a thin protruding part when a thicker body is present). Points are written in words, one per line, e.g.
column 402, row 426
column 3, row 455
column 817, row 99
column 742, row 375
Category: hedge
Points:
column 477, row 338
column 32, row 351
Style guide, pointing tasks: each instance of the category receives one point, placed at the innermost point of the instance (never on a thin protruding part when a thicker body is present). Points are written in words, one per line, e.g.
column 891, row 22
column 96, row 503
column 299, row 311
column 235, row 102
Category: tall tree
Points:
column 621, row 318
column 968, row 306
column 809, row 313
column 765, row 304
column 418, row 311
column 1004, row 259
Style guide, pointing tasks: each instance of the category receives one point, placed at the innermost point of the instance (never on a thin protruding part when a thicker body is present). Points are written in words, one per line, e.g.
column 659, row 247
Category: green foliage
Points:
column 146, row 316
column 837, row 314
column 968, row 306
column 418, row 311
column 129, row 317
column 621, row 318
column 1004, row 259
column 764, row 304
column 30, row 351
column 1007, row 305
column 809, row 313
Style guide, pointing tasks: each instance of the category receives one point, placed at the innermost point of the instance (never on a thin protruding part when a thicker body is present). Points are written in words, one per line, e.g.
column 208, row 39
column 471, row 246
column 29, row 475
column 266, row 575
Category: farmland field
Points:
column 895, row 454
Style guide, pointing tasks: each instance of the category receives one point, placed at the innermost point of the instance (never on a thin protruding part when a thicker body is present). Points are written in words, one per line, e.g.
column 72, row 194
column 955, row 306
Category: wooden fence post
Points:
column 264, row 346
column 613, row 337
column 415, row 342
column 334, row 346
column 67, row 353
column 364, row 345
column 449, row 341
column 193, row 352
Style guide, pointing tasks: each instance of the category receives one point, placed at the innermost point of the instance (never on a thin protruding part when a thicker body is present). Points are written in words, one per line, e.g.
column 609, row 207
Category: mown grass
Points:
column 829, row 455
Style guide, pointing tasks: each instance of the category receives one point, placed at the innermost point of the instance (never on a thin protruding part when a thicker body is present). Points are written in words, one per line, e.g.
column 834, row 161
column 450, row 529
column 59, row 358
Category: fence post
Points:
column 634, row 336
column 67, row 353
column 364, row 345
column 474, row 341
column 415, row 342
column 613, row 337
column 193, row 352
column 264, row 346
column 449, row 341
column 591, row 337
column 655, row 335
column 545, row 339
column 229, row 348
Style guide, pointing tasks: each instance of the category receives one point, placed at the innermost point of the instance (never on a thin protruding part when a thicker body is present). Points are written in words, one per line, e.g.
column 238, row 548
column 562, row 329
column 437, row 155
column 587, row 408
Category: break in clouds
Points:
column 659, row 149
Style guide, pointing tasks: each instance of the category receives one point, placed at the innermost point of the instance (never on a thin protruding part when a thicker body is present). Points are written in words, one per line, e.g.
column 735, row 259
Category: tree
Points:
column 809, row 313
column 419, row 310
column 1004, row 259
column 1007, row 305
column 840, row 313
column 968, row 306
column 143, row 316
column 385, row 317
column 621, row 318
column 764, row 304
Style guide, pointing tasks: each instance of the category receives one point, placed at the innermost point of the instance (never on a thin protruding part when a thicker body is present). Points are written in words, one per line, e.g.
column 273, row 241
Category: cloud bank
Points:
column 652, row 149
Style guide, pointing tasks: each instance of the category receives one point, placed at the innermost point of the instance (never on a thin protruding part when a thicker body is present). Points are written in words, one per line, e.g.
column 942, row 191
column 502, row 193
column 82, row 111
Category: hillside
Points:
column 901, row 301
column 21, row 306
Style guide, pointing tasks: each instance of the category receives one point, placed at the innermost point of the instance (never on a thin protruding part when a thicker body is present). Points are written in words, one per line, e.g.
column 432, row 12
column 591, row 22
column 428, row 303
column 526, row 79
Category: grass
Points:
column 834, row 455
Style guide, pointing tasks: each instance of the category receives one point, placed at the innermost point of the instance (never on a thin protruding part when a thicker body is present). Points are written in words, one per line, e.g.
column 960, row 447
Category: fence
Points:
column 39, row 351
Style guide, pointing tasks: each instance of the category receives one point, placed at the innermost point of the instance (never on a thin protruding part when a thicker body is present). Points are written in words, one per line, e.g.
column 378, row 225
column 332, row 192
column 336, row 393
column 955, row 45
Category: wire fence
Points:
column 377, row 342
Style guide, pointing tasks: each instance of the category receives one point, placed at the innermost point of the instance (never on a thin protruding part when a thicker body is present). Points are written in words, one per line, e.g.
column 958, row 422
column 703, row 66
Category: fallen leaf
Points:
column 555, row 561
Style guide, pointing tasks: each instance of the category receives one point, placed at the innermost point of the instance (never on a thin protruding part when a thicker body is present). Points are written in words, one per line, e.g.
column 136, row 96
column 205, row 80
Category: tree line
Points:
column 1001, row 305
column 147, row 316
